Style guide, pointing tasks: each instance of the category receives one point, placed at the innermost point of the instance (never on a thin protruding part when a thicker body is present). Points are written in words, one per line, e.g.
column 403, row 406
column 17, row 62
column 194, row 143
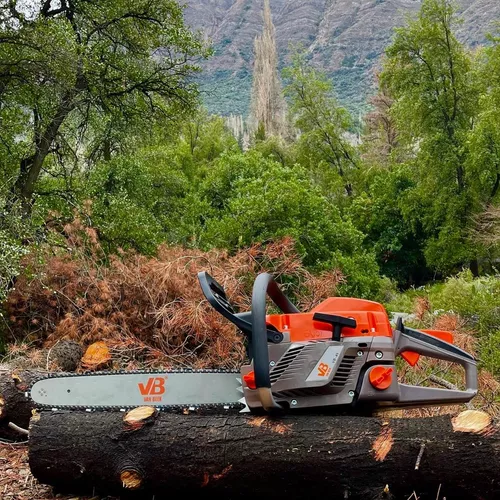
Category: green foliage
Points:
column 260, row 133
column 483, row 162
column 322, row 146
column 60, row 66
column 475, row 300
column 378, row 212
column 430, row 76
column 142, row 200
column 490, row 353
column 12, row 232
column 202, row 139
column 276, row 148
column 255, row 199
column 130, row 197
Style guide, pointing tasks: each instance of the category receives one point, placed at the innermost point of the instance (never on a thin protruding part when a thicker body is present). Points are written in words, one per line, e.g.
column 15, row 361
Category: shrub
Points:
column 473, row 302
column 150, row 311
column 137, row 200
column 256, row 199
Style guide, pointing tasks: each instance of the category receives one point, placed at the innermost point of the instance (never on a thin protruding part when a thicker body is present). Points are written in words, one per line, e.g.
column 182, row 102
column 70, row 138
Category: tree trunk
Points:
column 31, row 167
column 14, row 406
column 234, row 456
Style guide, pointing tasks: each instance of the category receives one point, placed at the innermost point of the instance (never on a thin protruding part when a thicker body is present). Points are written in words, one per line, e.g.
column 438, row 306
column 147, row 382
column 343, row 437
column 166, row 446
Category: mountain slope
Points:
column 344, row 37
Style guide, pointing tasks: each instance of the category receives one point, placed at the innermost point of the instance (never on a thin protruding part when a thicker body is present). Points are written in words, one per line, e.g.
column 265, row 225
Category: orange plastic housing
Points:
column 371, row 321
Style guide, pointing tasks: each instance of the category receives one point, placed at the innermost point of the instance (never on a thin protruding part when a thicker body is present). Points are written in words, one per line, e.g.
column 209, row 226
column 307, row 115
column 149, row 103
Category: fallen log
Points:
column 15, row 408
column 144, row 453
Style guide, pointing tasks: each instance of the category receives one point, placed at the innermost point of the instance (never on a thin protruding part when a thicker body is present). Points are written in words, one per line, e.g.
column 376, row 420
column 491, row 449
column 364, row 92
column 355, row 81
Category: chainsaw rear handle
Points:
column 426, row 345
column 265, row 285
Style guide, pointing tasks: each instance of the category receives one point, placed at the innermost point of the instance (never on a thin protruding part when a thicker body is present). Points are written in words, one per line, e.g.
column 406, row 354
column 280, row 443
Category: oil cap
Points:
column 381, row 377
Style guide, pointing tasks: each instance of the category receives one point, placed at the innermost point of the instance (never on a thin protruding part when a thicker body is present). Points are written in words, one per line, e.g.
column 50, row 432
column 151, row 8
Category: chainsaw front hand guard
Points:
column 418, row 342
column 217, row 298
column 253, row 324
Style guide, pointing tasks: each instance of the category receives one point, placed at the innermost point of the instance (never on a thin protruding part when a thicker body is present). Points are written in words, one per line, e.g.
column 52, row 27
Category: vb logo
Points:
column 323, row 370
column 155, row 386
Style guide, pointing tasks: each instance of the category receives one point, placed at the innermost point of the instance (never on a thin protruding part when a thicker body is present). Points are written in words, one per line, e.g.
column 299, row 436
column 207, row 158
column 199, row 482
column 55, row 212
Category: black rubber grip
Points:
column 337, row 322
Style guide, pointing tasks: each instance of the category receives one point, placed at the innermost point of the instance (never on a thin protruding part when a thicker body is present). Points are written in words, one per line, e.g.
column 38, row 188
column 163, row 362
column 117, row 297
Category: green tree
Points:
column 484, row 139
column 61, row 61
column 323, row 145
column 429, row 75
column 397, row 242
column 143, row 199
column 202, row 140
column 255, row 199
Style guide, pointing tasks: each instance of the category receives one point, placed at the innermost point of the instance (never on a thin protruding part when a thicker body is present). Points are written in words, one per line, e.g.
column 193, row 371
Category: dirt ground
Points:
column 17, row 482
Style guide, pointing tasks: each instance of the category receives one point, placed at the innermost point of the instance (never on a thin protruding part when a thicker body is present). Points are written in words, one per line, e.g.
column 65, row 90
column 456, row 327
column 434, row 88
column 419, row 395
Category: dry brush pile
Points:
column 149, row 312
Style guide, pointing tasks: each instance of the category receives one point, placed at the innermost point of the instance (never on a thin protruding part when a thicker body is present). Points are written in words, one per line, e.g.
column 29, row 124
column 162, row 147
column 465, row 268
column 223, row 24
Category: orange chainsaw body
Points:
column 371, row 321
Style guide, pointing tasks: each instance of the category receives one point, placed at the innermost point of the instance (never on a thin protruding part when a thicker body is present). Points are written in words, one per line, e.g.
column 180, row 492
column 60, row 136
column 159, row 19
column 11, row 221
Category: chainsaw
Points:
column 341, row 354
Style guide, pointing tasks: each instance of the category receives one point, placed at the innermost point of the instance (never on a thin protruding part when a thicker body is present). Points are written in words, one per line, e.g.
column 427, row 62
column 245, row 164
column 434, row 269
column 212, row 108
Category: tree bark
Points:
column 14, row 406
column 31, row 167
column 234, row 456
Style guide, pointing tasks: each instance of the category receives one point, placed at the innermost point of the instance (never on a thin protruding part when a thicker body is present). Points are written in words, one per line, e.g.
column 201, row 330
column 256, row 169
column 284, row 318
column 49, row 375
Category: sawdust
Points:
column 266, row 423
column 383, row 444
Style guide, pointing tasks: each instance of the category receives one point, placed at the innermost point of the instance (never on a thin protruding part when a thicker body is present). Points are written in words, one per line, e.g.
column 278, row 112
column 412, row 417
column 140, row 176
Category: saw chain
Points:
column 234, row 407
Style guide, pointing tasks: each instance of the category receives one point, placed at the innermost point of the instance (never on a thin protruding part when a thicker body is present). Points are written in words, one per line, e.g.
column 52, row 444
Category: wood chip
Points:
column 136, row 418
column 471, row 421
column 96, row 355
column 383, row 444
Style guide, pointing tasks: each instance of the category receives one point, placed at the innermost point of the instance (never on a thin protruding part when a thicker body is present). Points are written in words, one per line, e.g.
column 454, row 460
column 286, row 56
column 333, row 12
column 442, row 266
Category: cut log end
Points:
column 131, row 479
column 15, row 407
column 97, row 356
column 136, row 419
column 471, row 421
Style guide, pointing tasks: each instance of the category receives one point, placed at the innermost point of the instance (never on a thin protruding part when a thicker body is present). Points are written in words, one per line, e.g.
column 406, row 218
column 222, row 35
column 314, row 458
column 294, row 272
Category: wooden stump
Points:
column 239, row 457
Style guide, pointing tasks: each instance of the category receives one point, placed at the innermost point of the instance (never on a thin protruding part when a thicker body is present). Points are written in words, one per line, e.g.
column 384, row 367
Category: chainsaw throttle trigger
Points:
column 337, row 322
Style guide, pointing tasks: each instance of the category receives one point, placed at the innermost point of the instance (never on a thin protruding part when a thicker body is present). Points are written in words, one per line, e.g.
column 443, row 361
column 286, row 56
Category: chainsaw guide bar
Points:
column 140, row 388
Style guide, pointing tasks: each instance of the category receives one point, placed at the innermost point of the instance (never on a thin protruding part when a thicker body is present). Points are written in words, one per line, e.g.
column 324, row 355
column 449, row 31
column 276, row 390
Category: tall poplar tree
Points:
column 268, row 109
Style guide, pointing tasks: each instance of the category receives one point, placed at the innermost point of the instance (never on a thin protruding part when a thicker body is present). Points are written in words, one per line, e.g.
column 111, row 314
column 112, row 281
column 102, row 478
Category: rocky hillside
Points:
column 345, row 37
